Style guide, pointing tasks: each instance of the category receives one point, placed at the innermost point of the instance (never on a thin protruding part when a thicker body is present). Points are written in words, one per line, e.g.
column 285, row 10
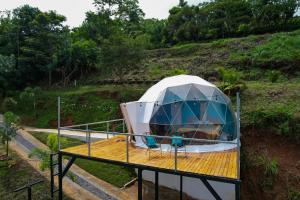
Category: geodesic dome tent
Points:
column 185, row 105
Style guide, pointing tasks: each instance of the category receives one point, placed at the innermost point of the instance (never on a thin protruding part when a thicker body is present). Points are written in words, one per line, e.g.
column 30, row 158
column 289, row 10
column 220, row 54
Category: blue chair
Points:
column 151, row 144
column 177, row 141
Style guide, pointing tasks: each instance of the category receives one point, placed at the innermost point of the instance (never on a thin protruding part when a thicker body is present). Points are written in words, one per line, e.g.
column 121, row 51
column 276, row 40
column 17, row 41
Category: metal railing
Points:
column 89, row 132
column 86, row 128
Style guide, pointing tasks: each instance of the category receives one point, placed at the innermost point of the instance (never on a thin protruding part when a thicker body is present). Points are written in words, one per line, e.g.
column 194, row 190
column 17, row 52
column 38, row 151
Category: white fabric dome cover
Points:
column 198, row 103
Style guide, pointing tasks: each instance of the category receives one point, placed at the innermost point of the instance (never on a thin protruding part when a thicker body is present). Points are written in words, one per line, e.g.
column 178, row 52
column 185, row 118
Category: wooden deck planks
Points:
column 221, row 164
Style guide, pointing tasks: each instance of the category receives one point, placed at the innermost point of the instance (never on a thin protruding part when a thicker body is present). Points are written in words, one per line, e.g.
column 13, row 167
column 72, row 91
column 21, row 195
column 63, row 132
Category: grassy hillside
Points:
column 253, row 55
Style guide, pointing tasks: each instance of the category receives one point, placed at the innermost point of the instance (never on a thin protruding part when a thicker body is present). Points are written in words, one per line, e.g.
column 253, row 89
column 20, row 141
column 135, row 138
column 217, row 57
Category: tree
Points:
column 126, row 13
column 7, row 71
column 30, row 96
column 121, row 54
column 8, row 128
column 32, row 37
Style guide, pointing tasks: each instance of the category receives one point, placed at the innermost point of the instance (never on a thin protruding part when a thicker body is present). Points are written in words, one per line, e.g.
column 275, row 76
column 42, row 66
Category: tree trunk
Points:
column 6, row 143
column 50, row 77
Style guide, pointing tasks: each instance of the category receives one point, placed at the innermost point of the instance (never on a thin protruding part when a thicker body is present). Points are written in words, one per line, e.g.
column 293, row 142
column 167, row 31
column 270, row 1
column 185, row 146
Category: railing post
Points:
column 238, row 133
column 88, row 140
column 175, row 167
column 127, row 153
column 123, row 125
column 107, row 129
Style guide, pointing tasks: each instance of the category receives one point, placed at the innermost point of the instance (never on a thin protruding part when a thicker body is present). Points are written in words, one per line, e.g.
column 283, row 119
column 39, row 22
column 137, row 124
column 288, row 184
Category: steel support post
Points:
column 29, row 193
column 60, row 176
column 181, row 187
column 156, row 186
column 140, row 184
column 58, row 122
column 51, row 176
column 237, row 191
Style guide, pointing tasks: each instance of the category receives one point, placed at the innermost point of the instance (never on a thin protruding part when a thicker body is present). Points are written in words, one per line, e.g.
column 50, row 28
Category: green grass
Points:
column 78, row 105
column 16, row 173
column 113, row 174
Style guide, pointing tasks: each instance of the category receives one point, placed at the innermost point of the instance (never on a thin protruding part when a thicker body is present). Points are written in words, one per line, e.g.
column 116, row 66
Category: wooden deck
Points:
column 220, row 164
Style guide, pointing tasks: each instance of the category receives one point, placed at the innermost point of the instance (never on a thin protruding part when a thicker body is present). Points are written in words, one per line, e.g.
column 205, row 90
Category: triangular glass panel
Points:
column 176, row 110
column 212, row 115
column 160, row 98
column 181, row 91
column 160, row 117
column 207, row 91
column 195, row 94
column 187, row 115
column 170, row 97
column 218, row 96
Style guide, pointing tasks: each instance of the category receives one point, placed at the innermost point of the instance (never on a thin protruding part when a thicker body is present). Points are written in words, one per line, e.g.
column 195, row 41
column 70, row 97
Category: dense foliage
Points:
column 37, row 47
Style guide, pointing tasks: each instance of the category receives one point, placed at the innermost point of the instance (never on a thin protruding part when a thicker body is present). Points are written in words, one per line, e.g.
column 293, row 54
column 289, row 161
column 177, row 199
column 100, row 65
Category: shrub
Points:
column 42, row 155
column 293, row 195
column 273, row 75
column 52, row 142
column 270, row 165
column 231, row 80
column 9, row 103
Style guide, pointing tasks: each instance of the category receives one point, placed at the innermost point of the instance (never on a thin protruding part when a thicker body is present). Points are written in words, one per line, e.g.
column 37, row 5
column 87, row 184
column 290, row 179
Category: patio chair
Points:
column 151, row 144
column 178, row 141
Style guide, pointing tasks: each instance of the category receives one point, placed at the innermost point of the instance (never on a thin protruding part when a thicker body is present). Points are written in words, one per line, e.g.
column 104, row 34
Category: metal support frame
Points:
column 60, row 177
column 181, row 196
column 204, row 178
column 69, row 164
column 211, row 189
column 140, row 184
column 156, row 186
column 58, row 122
column 28, row 187
column 52, row 175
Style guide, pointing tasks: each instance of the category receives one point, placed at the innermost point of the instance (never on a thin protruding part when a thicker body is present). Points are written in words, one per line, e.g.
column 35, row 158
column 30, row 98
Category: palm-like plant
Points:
column 8, row 128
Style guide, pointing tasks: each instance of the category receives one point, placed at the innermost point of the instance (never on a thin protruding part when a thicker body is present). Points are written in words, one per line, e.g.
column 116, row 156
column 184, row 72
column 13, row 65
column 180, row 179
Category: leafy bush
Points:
column 231, row 80
column 9, row 103
column 268, row 117
column 293, row 195
column 270, row 167
column 8, row 128
column 52, row 142
column 43, row 156
column 273, row 75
